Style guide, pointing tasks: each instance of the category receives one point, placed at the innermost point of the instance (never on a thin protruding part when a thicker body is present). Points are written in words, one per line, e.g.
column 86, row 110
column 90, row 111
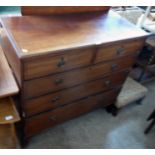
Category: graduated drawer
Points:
column 37, row 123
column 117, row 50
column 46, row 102
column 60, row 81
column 49, row 64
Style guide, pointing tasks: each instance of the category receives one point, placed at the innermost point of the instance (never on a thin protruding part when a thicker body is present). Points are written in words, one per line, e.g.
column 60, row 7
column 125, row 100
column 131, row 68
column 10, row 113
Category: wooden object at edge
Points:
column 47, row 10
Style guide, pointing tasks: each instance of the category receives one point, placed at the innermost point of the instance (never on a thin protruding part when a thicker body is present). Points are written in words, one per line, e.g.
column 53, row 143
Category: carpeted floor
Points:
column 99, row 130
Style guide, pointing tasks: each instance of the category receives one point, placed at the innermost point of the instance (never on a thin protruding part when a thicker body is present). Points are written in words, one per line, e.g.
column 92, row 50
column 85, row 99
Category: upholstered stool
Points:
column 131, row 91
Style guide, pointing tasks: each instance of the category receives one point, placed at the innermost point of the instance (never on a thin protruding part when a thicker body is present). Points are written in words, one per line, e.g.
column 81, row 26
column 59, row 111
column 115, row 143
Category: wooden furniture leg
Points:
column 112, row 109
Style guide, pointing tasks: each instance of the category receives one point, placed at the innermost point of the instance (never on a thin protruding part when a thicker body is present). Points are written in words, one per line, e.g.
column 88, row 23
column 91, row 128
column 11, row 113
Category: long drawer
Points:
column 40, row 86
column 118, row 50
column 46, row 102
column 45, row 65
column 37, row 123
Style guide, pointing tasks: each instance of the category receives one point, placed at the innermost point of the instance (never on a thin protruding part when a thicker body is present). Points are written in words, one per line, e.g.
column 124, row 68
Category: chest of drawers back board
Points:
column 67, row 65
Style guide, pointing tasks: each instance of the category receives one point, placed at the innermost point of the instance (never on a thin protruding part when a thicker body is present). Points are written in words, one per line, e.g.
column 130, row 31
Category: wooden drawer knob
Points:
column 120, row 51
column 58, row 81
column 61, row 63
column 52, row 118
column 108, row 83
column 114, row 67
column 55, row 99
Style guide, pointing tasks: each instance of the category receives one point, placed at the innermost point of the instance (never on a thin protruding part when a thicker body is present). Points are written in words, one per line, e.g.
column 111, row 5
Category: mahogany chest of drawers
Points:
column 67, row 65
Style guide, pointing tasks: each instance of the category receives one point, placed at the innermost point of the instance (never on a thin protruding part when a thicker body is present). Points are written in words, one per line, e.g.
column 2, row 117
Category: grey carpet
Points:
column 99, row 130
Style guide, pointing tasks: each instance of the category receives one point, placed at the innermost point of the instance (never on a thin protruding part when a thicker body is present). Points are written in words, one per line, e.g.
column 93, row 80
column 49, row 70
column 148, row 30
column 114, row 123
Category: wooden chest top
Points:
column 33, row 35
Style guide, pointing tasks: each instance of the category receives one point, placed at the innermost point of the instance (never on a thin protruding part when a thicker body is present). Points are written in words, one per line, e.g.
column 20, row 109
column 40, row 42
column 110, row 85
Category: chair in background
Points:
column 147, row 64
column 152, row 119
column 146, row 22
column 146, row 60
column 132, row 91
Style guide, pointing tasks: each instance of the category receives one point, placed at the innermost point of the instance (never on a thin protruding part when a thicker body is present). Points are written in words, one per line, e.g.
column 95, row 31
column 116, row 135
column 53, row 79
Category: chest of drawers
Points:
column 67, row 65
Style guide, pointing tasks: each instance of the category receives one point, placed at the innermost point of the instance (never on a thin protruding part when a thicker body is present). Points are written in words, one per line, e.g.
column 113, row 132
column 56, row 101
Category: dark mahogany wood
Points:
column 65, row 96
column 60, row 61
column 79, row 58
column 34, row 35
column 118, row 50
column 55, row 64
column 41, row 86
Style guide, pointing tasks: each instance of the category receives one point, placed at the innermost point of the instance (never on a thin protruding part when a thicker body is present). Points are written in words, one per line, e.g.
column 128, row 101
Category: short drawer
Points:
column 46, row 102
column 40, row 122
column 36, row 87
column 118, row 50
column 45, row 65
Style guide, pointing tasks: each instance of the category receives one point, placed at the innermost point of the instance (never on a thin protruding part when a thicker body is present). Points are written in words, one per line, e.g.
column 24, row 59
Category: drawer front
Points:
column 46, row 65
column 37, row 123
column 121, row 49
column 60, row 81
column 66, row 96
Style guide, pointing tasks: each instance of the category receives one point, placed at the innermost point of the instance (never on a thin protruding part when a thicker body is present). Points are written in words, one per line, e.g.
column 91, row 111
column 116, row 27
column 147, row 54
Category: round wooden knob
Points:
column 114, row 67
column 120, row 51
column 58, row 81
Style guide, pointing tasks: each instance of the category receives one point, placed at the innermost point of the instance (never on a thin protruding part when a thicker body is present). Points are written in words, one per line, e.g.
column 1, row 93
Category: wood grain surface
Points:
column 49, row 84
column 40, row 122
column 39, row 34
column 45, row 50
column 48, row 10
column 69, row 95
column 8, row 85
column 7, row 108
column 8, row 117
